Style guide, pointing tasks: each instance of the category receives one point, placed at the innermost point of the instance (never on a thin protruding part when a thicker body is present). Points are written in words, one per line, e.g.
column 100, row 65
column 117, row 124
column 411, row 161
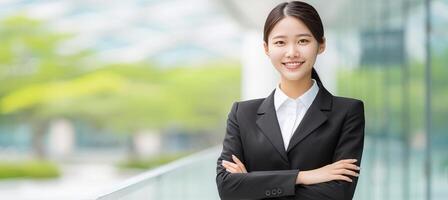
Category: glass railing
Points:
column 192, row 177
column 382, row 176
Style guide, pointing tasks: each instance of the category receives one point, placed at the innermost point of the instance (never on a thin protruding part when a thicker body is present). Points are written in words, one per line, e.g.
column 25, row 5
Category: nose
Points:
column 292, row 52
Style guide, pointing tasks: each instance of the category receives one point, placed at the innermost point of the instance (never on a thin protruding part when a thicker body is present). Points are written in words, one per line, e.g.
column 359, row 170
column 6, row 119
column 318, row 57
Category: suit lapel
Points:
column 313, row 118
column 268, row 123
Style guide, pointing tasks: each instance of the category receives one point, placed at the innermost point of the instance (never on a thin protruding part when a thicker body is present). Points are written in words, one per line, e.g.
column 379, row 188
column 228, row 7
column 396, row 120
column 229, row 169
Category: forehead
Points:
column 289, row 26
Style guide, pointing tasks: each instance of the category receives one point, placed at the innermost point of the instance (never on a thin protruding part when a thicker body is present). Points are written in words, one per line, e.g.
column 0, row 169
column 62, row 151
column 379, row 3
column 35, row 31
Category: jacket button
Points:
column 274, row 192
column 267, row 193
column 279, row 191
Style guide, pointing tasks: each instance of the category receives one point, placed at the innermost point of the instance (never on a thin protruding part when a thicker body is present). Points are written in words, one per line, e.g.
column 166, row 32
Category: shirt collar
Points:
column 306, row 99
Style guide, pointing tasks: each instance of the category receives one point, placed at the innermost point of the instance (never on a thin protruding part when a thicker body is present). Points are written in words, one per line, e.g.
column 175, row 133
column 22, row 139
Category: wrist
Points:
column 301, row 177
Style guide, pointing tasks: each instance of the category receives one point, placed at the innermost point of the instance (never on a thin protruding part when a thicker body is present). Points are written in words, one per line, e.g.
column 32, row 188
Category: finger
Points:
column 344, row 178
column 239, row 163
column 345, row 172
column 231, row 171
column 351, row 166
column 340, row 163
column 346, row 166
column 231, row 166
column 348, row 161
column 226, row 164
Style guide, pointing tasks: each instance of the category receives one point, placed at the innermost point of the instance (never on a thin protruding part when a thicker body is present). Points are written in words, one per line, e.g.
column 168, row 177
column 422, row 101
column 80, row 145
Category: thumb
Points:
column 239, row 163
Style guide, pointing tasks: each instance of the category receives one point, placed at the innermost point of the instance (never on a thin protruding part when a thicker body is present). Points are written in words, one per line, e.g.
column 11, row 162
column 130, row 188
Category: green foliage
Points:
column 114, row 98
column 28, row 169
column 30, row 53
column 37, row 94
column 371, row 86
column 43, row 83
column 152, row 162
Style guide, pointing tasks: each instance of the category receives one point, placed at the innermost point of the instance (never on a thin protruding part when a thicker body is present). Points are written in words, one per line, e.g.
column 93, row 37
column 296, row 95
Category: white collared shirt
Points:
column 290, row 112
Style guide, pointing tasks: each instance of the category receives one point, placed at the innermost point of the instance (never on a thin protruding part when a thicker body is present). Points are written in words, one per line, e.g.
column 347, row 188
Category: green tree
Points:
column 29, row 55
column 124, row 98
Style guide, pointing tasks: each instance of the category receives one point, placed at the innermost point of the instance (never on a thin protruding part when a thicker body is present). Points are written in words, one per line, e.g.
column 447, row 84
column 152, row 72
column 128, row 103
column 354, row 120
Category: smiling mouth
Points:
column 292, row 65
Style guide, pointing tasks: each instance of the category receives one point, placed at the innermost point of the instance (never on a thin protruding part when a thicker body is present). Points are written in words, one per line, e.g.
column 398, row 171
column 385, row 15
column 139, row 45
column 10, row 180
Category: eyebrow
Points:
column 298, row 35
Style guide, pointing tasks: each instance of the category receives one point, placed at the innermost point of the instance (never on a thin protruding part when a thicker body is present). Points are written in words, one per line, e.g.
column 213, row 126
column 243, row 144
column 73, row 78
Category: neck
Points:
column 295, row 88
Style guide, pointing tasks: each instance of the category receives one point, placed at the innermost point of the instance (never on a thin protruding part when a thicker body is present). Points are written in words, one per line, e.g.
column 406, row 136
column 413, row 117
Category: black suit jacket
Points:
column 332, row 129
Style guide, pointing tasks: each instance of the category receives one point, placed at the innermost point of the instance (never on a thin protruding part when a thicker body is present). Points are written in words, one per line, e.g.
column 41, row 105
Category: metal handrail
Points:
column 132, row 183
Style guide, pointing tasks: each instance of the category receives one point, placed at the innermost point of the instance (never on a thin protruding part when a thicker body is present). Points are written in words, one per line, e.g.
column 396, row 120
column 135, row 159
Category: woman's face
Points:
column 292, row 49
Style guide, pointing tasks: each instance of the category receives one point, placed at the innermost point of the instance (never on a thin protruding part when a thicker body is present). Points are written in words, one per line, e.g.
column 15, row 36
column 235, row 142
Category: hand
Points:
column 335, row 171
column 237, row 167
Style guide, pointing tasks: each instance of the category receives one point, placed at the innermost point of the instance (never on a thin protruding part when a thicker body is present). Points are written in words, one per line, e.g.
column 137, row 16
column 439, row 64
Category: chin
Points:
column 293, row 76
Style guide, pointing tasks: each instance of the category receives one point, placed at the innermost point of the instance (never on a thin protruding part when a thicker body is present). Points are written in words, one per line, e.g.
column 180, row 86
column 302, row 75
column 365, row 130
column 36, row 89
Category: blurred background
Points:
column 108, row 99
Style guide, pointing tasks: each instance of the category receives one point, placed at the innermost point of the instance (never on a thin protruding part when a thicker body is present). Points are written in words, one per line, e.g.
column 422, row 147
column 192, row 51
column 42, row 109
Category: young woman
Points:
column 300, row 142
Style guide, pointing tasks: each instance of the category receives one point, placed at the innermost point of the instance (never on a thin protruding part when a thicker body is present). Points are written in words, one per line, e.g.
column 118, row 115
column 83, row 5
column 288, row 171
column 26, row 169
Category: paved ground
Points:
column 78, row 181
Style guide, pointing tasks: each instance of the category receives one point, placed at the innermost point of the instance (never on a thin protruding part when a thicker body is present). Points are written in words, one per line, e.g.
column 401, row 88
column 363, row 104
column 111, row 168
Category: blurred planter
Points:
column 29, row 169
column 151, row 162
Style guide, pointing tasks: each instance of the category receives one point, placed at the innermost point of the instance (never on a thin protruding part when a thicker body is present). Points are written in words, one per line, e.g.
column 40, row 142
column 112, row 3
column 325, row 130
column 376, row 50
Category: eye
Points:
column 279, row 42
column 303, row 41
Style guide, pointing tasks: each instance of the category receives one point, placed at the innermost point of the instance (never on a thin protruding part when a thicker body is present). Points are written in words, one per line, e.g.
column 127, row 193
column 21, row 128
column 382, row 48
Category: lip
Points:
column 292, row 65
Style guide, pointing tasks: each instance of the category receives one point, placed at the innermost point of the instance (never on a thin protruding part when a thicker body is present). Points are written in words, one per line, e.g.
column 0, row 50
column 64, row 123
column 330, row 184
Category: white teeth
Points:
column 293, row 63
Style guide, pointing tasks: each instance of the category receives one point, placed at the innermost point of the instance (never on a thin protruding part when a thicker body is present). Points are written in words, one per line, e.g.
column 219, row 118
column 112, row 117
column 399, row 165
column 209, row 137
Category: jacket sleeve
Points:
column 251, row 185
column 350, row 146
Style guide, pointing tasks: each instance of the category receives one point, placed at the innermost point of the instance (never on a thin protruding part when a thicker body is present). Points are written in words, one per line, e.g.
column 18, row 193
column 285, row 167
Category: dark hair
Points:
column 302, row 11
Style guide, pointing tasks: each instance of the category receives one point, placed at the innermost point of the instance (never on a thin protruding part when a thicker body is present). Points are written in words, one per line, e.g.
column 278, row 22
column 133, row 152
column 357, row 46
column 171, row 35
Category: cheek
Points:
column 310, row 51
column 276, row 54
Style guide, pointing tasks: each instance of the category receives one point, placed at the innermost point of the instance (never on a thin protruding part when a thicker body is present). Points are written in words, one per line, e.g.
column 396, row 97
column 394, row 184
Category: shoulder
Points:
column 247, row 105
column 348, row 105
column 346, row 101
column 251, row 104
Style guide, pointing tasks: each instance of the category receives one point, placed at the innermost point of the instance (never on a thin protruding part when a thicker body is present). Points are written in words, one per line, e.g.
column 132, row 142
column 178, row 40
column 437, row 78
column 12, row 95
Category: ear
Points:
column 266, row 48
column 322, row 46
